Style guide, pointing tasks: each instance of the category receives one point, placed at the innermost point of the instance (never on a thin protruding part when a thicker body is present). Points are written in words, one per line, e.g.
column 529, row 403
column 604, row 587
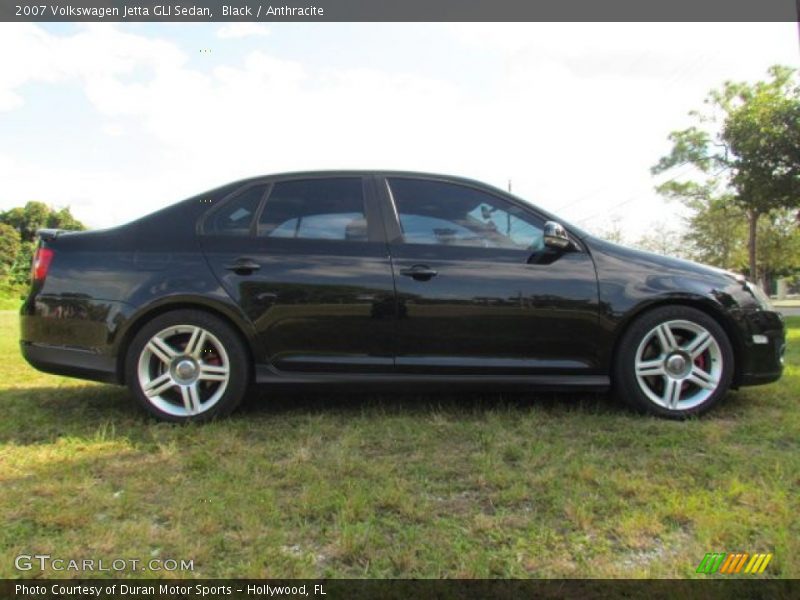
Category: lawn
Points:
column 397, row 486
column 11, row 297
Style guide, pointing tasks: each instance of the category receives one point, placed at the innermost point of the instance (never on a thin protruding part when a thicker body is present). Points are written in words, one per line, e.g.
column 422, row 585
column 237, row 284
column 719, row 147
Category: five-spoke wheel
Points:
column 184, row 370
column 673, row 361
column 187, row 365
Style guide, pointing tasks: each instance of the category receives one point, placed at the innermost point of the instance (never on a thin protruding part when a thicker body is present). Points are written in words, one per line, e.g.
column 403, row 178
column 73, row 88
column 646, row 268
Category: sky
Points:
column 118, row 120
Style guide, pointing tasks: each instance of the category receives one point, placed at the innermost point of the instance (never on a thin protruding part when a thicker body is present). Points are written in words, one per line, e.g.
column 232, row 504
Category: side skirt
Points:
column 266, row 374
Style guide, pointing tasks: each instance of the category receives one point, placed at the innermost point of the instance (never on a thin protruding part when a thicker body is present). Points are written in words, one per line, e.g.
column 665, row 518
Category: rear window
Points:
column 317, row 209
column 235, row 217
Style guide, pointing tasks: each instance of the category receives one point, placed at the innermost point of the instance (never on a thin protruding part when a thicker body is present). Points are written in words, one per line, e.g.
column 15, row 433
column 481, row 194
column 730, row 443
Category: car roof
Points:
column 364, row 172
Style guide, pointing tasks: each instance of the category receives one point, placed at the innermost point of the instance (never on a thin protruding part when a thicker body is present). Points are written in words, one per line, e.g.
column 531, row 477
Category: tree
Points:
column 37, row 215
column 613, row 233
column 715, row 232
column 745, row 149
column 63, row 219
column 664, row 240
column 9, row 248
column 18, row 228
column 20, row 271
column 778, row 245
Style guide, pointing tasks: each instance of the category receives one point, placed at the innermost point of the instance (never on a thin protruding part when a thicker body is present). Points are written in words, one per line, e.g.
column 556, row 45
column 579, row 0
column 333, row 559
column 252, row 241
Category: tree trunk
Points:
column 752, row 221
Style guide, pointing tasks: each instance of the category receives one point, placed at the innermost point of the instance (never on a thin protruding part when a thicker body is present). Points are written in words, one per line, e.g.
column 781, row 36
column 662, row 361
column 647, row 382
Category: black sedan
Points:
column 355, row 278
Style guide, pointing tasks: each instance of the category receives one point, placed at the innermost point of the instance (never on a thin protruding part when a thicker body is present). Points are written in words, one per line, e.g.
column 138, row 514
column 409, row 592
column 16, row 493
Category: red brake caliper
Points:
column 212, row 358
column 700, row 361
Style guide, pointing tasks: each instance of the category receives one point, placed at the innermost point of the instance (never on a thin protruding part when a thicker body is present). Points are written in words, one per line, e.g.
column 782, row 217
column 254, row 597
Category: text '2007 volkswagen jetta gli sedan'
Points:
column 389, row 278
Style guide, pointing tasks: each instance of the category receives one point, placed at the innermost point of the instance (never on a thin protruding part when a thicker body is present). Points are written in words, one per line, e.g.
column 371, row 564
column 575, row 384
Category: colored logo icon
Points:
column 733, row 563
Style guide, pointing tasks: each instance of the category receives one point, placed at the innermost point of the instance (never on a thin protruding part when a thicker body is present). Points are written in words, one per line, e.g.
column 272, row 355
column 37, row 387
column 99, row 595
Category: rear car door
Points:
column 477, row 290
column 307, row 261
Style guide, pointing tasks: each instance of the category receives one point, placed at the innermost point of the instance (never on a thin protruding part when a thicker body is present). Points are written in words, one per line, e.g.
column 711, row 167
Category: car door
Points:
column 307, row 261
column 477, row 290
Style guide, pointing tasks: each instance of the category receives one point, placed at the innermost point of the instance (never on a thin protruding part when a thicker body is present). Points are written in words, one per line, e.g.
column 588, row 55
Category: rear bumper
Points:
column 70, row 362
column 72, row 336
column 765, row 345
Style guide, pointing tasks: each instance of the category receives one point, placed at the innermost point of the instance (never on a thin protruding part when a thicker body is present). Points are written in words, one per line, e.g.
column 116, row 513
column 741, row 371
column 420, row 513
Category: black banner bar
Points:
column 399, row 589
column 398, row 10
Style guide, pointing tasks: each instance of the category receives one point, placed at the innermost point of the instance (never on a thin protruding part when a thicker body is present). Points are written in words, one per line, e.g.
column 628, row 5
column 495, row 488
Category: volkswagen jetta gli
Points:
column 390, row 278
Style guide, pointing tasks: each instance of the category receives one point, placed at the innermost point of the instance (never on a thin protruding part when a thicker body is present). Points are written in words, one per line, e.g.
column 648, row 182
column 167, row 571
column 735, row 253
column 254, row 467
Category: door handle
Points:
column 243, row 266
column 419, row 272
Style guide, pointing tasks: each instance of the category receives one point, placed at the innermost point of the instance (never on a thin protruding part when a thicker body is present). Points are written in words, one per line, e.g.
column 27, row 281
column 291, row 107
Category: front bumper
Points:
column 764, row 347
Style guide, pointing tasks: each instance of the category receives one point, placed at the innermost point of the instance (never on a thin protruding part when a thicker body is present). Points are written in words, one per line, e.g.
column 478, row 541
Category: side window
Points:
column 433, row 212
column 235, row 216
column 315, row 209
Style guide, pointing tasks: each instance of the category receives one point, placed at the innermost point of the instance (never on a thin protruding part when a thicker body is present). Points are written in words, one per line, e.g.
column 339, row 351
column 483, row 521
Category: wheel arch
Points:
column 697, row 302
column 237, row 323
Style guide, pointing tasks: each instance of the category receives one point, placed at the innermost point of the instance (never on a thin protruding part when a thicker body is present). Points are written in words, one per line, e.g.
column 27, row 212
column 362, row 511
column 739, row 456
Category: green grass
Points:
column 11, row 297
column 397, row 486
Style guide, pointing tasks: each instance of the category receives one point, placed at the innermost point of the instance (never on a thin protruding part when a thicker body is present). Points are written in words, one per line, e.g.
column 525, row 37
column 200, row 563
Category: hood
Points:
column 642, row 258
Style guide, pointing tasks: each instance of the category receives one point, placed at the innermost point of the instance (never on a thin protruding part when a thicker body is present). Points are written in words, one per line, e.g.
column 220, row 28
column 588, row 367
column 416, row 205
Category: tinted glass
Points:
column 319, row 209
column 433, row 212
column 236, row 216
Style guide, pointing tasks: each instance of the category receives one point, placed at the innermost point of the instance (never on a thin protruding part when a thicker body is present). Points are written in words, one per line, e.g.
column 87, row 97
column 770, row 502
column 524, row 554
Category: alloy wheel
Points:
column 678, row 364
column 183, row 370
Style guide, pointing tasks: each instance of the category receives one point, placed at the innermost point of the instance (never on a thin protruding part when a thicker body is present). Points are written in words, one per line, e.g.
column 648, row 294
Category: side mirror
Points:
column 555, row 236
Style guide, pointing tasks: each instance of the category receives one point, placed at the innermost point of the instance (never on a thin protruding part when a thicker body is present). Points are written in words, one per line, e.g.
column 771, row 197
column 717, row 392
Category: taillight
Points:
column 41, row 263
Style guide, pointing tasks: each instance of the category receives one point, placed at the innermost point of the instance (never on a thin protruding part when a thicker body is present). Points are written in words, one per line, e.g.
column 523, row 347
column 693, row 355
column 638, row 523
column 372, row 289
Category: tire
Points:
column 674, row 362
column 187, row 365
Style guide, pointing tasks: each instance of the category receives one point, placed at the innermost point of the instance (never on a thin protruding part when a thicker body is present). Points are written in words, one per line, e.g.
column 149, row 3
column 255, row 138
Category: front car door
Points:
column 306, row 259
column 477, row 290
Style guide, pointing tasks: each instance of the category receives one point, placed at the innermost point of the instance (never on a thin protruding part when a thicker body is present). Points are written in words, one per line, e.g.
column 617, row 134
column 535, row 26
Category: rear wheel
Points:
column 187, row 365
column 673, row 361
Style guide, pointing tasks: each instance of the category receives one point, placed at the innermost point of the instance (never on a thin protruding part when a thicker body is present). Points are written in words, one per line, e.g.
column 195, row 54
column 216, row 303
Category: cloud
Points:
column 98, row 52
column 575, row 114
column 242, row 30
column 33, row 60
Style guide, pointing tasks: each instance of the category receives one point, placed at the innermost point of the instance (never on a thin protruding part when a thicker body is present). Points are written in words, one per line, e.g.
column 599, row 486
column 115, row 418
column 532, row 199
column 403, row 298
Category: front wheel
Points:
column 187, row 365
column 673, row 361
